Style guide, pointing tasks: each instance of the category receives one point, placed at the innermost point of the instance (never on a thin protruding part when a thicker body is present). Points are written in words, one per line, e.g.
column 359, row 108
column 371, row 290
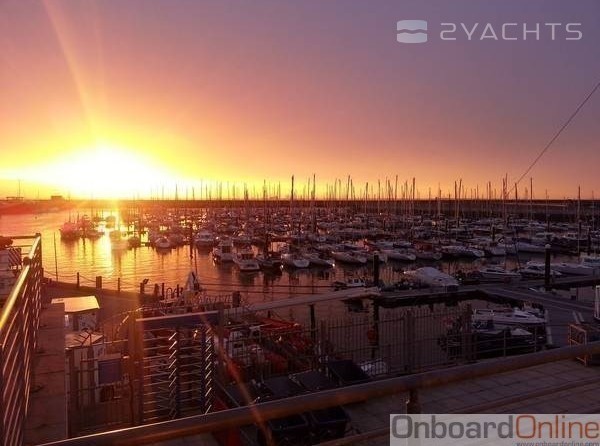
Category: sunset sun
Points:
column 106, row 170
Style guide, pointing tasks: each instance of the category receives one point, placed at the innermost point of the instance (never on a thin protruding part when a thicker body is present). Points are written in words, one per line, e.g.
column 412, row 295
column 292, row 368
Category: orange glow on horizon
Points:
column 106, row 100
column 103, row 171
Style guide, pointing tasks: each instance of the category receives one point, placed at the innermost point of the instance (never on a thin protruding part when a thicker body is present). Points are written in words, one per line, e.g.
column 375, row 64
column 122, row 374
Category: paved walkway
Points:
column 560, row 387
column 47, row 417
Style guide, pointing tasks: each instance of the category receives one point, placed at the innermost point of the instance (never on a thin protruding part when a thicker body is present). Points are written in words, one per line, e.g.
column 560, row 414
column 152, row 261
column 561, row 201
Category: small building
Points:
column 7, row 281
column 81, row 312
column 10, row 265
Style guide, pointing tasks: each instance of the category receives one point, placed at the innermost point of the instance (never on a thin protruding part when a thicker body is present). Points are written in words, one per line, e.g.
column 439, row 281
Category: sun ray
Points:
column 60, row 29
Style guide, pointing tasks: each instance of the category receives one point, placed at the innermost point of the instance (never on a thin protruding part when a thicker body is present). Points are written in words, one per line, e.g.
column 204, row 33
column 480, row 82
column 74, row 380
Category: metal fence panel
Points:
column 19, row 322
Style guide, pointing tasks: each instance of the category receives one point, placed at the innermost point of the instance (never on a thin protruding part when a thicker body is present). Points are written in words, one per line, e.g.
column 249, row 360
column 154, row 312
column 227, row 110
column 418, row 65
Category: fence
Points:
column 235, row 418
column 19, row 321
column 98, row 400
column 161, row 368
column 168, row 366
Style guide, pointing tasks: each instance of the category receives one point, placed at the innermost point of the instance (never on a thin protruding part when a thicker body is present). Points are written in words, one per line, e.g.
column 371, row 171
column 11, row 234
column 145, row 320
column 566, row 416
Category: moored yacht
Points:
column 537, row 270
column 204, row 239
column 319, row 259
column 269, row 261
column 294, row 260
column 351, row 257
column 573, row 269
column 498, row 274
column 432, row 277
column 353, row 282
column 70, row 231
column 245, row 260
column 593, row 261
column 512, row 247
column 428, row 254
column 462, row 251
column 162, row 242
column 512, row 316
column 400, row 254
column 223, row 252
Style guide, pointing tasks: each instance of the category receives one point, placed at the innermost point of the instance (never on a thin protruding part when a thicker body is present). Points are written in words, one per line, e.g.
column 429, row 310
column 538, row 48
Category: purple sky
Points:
column 252, row 90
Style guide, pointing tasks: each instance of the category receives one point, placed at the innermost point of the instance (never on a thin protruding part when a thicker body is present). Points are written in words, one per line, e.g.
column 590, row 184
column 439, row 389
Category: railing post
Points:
column 373, row 332
column 222, row 362
column 410, row 341
column 236, row 299
column 547, row 272
column 2, row 402
column 73, row 393
column 413, row 405
column 313, row 323
column 118, row 285
column 78, row 282
column 468, row 340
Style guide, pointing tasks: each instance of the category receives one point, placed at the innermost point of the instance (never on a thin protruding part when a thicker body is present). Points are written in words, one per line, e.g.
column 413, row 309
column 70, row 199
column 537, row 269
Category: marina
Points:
column 279, row 223
column 348, row 300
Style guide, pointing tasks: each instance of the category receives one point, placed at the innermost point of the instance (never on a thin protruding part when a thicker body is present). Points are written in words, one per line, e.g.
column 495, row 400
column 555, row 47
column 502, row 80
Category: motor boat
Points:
column 462, row 251
column 573, row 269
column 70, row 231
column 351, row 257
column 514, row 247
column 353, row 282
column 592, row 261
column 432, row 277
column 294, row 260
column 400, row 254
column 223, row 252
column 502, row 317
column 204, row 239
column 162, row 242
column 318, row 259
column 270, row 261
column 245, row 260
column 498, row 274
column 423, row 254
column 537, row 270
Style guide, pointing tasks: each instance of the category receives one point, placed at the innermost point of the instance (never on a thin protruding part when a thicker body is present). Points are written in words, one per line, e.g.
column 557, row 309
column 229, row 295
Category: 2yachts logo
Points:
column 415, row 31
column 411, row 31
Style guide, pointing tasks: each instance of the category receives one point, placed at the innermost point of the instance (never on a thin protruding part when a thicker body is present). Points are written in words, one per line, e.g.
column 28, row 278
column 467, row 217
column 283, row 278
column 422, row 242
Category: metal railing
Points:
column 19, row 321
column 163, row 378
column 234, row 418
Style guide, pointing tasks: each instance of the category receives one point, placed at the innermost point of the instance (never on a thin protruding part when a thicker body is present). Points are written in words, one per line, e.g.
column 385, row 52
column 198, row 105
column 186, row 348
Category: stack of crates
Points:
column 584, row 333
column 10, row 265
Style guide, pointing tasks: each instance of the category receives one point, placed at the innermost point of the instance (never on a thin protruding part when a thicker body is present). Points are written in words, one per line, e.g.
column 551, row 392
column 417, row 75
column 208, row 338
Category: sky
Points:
column 125, row 98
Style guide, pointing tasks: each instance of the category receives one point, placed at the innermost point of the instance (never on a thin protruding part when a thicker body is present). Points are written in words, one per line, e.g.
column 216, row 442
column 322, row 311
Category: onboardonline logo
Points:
column 495, row 429
column 416, row 31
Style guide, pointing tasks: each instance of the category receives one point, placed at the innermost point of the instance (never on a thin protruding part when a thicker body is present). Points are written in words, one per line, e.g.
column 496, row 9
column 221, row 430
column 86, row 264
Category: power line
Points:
column 557, row 134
